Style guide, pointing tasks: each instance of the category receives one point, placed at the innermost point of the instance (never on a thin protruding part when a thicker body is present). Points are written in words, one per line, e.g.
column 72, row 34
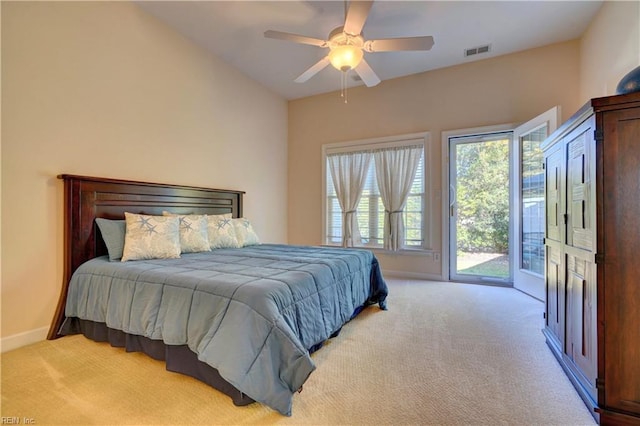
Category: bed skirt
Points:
column 177, row 358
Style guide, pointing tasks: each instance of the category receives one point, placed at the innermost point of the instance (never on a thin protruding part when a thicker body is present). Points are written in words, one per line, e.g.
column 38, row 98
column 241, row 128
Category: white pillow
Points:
column 244, row 232
column 222, row 233
column 151, row 237
column 194, row 235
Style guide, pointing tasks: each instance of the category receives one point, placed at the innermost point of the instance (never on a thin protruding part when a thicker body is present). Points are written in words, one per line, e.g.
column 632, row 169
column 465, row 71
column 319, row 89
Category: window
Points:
column 532, row 199
column 370, row 210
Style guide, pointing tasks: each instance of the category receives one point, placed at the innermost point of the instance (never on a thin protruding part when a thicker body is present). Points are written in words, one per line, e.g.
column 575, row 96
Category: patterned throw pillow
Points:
column 244, row 232
column 194, row 235
column 151, row 237
column 222, row 233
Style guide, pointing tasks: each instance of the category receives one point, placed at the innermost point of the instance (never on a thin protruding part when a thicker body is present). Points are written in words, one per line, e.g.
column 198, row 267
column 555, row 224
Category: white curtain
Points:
column 348, row 172
column 395, row 170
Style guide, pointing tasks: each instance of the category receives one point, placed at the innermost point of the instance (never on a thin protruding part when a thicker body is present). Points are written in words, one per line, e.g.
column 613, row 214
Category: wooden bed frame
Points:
column 87, row 198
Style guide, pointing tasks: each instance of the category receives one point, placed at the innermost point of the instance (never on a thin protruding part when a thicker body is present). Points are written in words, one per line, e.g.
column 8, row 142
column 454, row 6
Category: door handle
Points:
column 453, row 199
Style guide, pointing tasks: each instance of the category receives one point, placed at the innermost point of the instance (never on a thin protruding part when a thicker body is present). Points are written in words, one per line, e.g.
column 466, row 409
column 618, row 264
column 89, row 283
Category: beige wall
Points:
column 610, row 48
column 506, row 89
column 104, row 89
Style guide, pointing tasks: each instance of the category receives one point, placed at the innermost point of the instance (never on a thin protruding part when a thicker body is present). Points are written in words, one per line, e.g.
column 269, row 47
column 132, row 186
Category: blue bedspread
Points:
column 251, row 313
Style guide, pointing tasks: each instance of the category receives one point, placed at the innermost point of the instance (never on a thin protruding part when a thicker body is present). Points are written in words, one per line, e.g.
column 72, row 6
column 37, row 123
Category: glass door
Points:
column 480, row 208
column 528, row 194
column 496, row 206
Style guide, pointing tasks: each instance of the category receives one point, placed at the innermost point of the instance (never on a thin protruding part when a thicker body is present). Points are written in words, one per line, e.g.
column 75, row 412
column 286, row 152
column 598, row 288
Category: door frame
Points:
column 553, row 118
column 445, row 192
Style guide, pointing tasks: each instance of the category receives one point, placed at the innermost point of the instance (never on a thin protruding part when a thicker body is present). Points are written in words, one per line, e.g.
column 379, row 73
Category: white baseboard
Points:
column 412, row 275
column 19, row 340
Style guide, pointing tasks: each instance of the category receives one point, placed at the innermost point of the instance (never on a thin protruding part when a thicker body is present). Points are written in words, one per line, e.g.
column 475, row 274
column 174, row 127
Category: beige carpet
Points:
column 443, row 354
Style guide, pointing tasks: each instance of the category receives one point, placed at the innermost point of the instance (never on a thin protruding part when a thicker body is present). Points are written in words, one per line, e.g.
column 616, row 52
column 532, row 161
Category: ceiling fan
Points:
column 347, row 44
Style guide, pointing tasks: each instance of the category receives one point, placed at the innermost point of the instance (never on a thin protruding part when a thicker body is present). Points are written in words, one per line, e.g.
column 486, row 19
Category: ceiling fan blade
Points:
column 356, row 16
column 313, row 70
column 403, row 43
column 366, row 74
column 296, row 38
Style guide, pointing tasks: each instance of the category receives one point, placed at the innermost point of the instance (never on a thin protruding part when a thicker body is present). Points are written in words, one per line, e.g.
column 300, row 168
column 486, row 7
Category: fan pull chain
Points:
column 343, row 86
column 346, row 87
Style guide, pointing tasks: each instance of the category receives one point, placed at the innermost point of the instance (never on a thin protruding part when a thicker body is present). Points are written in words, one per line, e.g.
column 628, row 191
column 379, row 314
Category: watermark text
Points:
column 16, row 420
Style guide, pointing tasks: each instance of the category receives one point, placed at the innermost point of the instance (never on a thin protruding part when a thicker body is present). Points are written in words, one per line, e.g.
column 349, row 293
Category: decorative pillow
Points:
column 244, row 232
column 151, row 237
column 222, row 233
column 113, row 236
column 194, row 235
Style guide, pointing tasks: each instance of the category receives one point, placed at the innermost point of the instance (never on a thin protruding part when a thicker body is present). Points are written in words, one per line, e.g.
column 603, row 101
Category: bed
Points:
column 243, row 320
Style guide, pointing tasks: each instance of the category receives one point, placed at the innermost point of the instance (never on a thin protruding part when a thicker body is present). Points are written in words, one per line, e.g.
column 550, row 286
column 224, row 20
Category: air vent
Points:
column 477, row 50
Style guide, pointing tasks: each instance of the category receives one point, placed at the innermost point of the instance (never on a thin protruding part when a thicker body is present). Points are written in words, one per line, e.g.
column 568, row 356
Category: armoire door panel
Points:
column 553, row 190
column 581, row 344
column 555, row 294
column 580, row 181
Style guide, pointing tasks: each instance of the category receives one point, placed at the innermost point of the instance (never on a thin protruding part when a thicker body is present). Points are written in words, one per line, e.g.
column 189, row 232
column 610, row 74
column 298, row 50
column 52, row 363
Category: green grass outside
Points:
column 481, row 264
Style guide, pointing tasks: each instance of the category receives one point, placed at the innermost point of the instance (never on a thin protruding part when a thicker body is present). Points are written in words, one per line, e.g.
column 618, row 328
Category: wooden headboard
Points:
column 88, row 198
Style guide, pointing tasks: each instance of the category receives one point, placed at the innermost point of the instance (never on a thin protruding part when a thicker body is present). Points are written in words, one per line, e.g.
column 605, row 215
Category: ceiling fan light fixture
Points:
column 345, row 57
column 347, row 45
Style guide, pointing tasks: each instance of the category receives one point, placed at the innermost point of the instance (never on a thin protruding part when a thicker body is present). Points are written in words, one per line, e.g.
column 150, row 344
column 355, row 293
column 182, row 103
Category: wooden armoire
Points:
column 592, row 242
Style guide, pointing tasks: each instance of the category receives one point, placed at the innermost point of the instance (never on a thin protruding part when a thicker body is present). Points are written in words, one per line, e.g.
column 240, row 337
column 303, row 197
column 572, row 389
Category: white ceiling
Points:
column 233, row 31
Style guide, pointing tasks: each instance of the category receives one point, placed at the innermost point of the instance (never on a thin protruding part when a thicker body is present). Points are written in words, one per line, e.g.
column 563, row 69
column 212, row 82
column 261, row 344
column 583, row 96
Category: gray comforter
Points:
column 251, row 313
